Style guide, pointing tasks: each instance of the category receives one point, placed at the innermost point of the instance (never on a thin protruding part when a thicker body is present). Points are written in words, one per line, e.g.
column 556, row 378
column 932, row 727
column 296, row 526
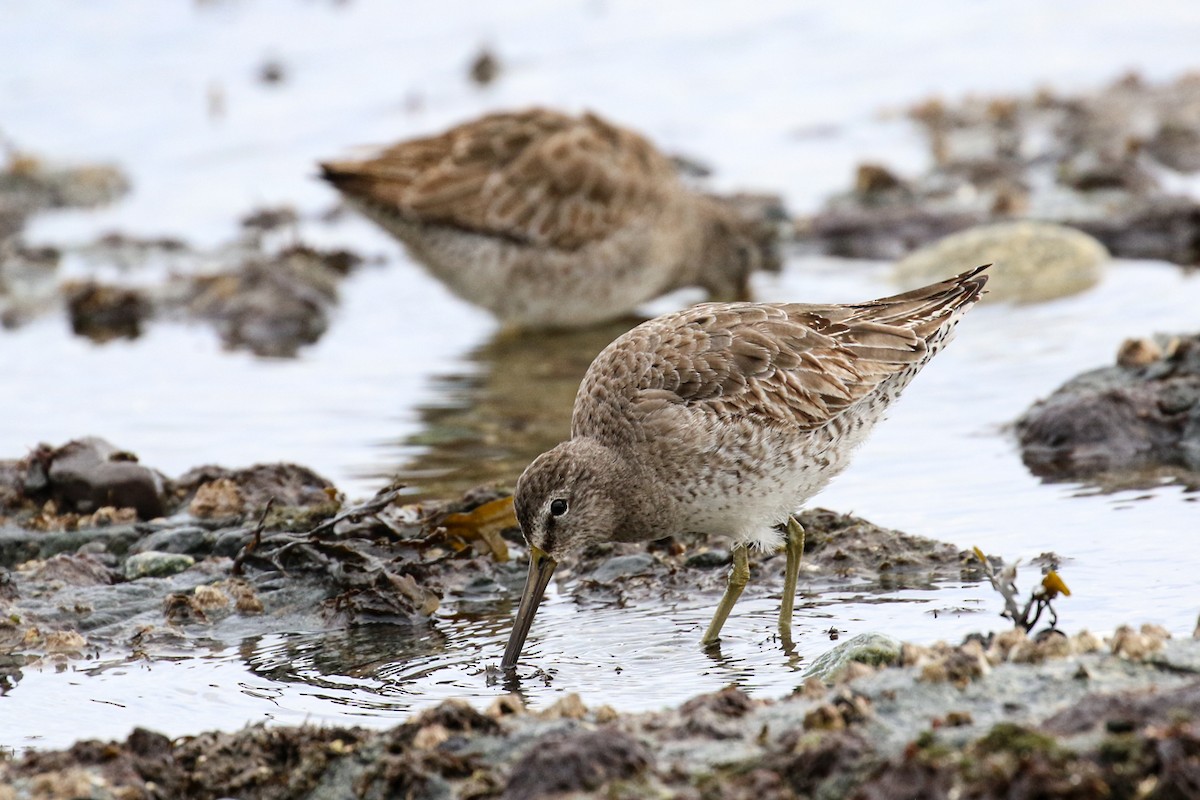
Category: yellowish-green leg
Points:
column 738, row 577
column 794, row 546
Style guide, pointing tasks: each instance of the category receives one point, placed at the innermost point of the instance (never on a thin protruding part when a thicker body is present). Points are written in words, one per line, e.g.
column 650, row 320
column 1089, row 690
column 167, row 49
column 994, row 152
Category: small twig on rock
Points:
column 1005, row 582
column 356, row 514
column 249, row 548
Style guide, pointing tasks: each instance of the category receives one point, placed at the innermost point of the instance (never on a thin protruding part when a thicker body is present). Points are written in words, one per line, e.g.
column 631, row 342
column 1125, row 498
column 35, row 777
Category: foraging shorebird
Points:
column 724, row 418
column 549, row 220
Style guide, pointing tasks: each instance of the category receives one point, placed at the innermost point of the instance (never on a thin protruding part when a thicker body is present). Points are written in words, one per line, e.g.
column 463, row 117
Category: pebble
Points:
column 156, row 564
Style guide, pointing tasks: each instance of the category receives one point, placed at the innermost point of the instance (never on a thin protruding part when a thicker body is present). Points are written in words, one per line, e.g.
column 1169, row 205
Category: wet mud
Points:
column 1092, row 161
column 1136, row 422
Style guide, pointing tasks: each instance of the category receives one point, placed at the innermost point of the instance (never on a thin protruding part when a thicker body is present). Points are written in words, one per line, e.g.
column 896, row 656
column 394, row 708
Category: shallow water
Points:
column 409, row 381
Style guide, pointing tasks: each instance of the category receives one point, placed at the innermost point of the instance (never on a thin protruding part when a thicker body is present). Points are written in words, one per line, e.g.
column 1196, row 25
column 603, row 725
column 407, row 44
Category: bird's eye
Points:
column 558, row 507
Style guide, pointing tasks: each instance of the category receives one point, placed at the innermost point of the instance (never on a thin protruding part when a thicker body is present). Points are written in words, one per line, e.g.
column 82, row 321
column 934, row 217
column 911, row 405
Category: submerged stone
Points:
column 618, row 567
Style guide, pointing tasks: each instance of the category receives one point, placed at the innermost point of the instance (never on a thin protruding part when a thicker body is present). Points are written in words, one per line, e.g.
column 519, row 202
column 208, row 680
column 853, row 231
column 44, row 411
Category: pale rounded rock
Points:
column 1033, row 261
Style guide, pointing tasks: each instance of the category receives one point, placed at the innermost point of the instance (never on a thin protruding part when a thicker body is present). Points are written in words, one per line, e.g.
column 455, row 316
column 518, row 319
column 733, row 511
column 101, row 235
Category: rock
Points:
column 102, row 313
column 156, row 564
column 75, row 570
column 64, row 642
column 1090, row 161
column 229, row 542
column 180, row 539
column 18, row 545
column 220, row 489
column 28, row 183
column 1138, row 353
column 28, row 279
column 873, row 649
column 485, row 67
column 217, row 499
column 272, row 305
column 620, row 567
column 89, row 473
column 574, row 763
column 709, row 559
column 1120, row 419
column 1033, row 261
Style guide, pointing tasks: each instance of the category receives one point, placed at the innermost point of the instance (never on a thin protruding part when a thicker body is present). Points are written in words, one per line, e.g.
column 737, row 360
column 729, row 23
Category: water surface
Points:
column 411, row 382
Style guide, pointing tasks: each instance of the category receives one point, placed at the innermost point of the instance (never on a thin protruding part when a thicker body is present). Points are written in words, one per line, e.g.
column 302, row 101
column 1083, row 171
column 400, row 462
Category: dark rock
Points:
column 1160, row 228
column 291, row 485
column 1177, row 146
column 453, row 715
column 620, row 567
column 1121, row 418
column 269, row 219
column 89, row 473
column 187, row 539
column 729, row 702
column 1127, row 711
column 814, row 762
column 272, row 72
column 576, row 762
column 845, row 543
column 272, row 305
column 485, row 68
column 885, row 232
column 102, row 313
column 230, row 541
column 709, row 559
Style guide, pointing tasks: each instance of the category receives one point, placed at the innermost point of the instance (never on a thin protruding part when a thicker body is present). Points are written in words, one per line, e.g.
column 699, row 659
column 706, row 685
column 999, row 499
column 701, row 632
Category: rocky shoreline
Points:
column 1000, row 717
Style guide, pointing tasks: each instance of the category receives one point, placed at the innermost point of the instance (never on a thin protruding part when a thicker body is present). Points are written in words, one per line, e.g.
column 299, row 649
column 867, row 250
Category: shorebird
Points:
column 724, row 418
column 552, row 221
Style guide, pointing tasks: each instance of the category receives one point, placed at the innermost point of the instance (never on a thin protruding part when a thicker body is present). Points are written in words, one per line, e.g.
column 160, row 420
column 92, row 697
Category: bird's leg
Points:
column 794, row 546
column 738, row 577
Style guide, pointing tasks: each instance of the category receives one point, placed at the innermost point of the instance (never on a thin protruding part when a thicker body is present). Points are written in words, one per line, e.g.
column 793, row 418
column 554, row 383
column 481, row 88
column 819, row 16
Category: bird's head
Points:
column 565, row 500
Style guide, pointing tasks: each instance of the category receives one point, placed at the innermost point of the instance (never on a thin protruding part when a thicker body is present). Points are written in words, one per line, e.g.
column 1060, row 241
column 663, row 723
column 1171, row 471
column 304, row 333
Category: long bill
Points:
column 541, row 567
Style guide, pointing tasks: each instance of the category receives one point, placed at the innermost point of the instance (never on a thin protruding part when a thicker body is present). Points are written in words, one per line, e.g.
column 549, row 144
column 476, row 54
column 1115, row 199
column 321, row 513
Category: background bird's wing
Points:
column 536, row 177
column 776, row 364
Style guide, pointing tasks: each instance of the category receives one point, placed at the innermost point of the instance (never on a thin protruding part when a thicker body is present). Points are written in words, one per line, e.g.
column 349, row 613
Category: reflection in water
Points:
column 376, row 660
column 490, row 422
column 356, row 652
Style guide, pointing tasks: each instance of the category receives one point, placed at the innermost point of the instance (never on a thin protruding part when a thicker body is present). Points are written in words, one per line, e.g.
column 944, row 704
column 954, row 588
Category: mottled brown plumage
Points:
column 553, row 220
column 725, row 418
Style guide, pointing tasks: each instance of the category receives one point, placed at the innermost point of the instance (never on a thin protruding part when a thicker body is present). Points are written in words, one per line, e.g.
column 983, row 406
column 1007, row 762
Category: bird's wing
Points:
column 536, row 177
column 791, row 365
